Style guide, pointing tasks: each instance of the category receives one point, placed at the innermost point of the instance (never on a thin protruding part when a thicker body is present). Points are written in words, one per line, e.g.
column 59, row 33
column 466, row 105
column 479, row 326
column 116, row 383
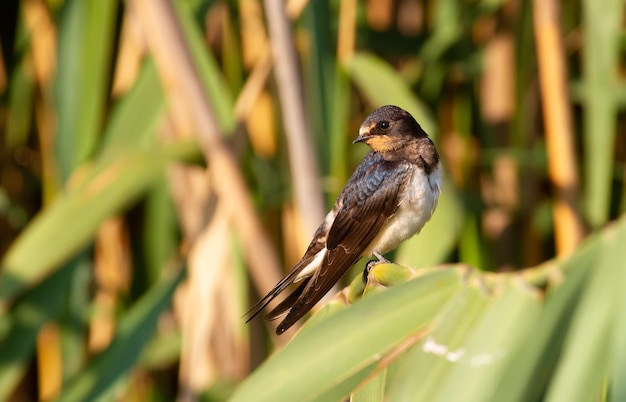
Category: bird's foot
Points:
column 380, row 259
column 368, row 268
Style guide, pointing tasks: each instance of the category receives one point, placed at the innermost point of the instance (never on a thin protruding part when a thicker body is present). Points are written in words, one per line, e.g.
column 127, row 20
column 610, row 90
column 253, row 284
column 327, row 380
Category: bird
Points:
column 390, row 196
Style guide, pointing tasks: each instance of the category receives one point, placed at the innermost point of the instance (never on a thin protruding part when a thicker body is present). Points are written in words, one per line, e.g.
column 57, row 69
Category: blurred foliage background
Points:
column 163, row 162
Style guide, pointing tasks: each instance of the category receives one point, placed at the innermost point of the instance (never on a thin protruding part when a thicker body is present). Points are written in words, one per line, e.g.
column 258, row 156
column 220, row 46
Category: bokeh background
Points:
column 164, row 162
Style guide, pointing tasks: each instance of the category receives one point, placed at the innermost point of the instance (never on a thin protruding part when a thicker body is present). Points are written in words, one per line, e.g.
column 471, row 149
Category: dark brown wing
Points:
column 316, row 245
column 367, row 202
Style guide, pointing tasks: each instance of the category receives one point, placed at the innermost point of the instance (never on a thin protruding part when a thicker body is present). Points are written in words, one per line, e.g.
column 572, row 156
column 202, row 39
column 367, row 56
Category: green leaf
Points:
column 528, row 373
column 373, row 390
column 57, row 233
column 389, row 274
column 430, row 361
column 602, row 23
column 20, row 91
column 503, row 328
column 342, row 389
column 320, row 82
column 84, row 60
column 133, row 333
column 21, row 95
column 160, row 239
column 587, row 350
column 618, row 384
column 71, row 322
column 349, row 340
column 162, row 351
column 471, row 244
column 447, row 27
column 326, row 311
column 25, row 319
column 339, row 119
column 135, row 117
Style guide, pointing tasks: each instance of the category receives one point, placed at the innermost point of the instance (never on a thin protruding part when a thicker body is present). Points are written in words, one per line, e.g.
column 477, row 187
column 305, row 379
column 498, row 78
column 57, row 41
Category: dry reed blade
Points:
column 176, row 68
column 304, row 170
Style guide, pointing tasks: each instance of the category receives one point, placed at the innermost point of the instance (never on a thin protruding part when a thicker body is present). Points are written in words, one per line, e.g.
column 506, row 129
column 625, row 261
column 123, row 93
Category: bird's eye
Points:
column 383, row 125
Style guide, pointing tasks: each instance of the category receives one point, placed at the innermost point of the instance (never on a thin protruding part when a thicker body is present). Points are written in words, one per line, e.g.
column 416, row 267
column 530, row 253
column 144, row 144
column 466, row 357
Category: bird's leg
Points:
column 380, row 259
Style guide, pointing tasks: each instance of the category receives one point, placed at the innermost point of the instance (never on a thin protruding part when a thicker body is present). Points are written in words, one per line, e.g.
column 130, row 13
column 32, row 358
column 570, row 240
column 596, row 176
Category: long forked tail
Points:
column 284, row 306
column 271, row 295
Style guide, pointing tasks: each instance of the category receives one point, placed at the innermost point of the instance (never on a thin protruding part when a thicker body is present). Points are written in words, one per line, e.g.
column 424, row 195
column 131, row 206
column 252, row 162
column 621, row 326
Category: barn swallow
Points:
column 391, row 195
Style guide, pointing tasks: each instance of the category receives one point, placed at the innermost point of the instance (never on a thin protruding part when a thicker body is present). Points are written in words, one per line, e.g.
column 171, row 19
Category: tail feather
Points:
column 290, row 278
column 261, row 304
column 271, row 295
column 267, row 299
column 284, row 306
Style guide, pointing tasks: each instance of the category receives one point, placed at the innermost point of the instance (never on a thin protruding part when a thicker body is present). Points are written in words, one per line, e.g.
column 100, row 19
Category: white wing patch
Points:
column 310, row 269
column 315, row 263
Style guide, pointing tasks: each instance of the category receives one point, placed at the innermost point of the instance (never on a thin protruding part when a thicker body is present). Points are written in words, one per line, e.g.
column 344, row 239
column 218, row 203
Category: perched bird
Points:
column 388, row 199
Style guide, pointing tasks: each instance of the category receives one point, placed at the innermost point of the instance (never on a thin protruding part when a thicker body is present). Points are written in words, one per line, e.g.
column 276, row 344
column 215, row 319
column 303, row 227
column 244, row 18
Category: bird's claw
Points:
column 380, row 259
column 368, row 268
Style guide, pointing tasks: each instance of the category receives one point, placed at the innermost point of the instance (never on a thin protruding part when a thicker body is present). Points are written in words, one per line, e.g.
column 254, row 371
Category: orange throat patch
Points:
column 382, row 143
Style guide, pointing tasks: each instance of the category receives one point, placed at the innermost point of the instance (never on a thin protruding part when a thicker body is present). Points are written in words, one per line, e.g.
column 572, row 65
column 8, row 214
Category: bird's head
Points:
column 390, row 129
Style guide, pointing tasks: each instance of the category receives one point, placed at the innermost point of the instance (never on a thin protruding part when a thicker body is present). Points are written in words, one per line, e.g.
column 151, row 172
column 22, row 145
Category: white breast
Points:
column 418, row 202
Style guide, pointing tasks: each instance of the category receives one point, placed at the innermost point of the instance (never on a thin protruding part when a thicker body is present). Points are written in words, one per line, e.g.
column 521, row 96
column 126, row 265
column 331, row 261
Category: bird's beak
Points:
column 364, row 135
